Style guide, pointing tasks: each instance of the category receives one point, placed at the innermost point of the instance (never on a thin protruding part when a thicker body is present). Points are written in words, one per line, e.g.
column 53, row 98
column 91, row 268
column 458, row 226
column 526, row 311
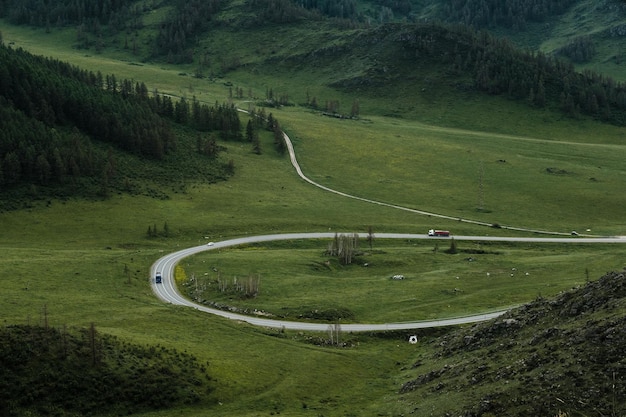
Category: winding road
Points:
column 167, row 291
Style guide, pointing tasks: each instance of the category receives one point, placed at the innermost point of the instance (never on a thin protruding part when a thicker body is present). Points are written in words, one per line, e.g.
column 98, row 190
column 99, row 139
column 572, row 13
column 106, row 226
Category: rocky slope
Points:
column 561, row 355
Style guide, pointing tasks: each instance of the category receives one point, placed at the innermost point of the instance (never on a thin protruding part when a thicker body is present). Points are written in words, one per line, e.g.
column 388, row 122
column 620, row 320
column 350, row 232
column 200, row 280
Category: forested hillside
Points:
column 515, row 14
column 62, row 127
column 469, row 61
column 92, row 14
column 498, row 67
column 48, row 106
column 52, row 372
column 51, row 109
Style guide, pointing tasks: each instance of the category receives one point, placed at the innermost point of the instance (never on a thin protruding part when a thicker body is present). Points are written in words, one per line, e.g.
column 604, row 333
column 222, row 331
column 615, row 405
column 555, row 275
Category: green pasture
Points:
column 77, row 262
column 299, row 279
column 560, row 183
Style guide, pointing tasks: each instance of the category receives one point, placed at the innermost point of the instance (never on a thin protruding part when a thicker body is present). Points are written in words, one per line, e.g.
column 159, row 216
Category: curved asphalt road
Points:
column 168, row 292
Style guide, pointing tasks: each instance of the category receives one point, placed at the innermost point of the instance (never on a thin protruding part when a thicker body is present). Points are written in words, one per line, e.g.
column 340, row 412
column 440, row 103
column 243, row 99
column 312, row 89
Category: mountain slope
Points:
column 66, row 131
column 562, row 354
column 46, row 371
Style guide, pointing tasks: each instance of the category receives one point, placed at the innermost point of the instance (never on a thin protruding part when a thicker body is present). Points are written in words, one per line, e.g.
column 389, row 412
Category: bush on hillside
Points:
column 53, row 372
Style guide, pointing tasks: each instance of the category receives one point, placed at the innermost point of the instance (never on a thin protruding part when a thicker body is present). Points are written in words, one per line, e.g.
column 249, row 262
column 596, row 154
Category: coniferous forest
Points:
column 51, row 109
column 38, row 94
column 497, row 67
column 51, row 112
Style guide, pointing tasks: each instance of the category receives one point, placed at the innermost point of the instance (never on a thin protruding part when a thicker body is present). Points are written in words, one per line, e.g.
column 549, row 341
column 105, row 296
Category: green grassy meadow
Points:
column 88, row 261
column 294, row 283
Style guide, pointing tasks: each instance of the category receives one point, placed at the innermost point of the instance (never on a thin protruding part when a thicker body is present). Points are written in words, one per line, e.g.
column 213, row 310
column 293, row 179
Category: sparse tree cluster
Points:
column 580, row 50
column 252, row 136
column 344, row 247
column 182, row 27
column 279, row 138
column 153, row 231
column 274, row 99
column 247, row 287
column 259, row 120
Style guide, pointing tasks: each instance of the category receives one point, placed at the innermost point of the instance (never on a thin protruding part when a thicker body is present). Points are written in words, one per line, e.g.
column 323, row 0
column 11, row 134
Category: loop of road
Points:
column 168, row 292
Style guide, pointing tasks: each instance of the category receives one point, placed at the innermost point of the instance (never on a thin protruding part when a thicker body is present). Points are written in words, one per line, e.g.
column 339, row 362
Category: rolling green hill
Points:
column 589, row 33
column 560, row 355
column 426, row 115
column 47, row 371
column 361, row 57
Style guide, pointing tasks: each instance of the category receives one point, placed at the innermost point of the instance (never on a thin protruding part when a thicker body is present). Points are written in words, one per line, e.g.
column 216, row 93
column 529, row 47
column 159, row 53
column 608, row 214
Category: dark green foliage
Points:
column 202, row 117
column 279, row 138
column 498, row 67
column 401, row 7
column 513, row 14
column 89, row 16
column 178, row 32
column 37, row 13
column 453, row 247
column 330, row 315
column 563, row 354
column 50, row 112
column 56, row 372
column 579, row 50
column 55, row 93
column 279, row 11
column 289, row 11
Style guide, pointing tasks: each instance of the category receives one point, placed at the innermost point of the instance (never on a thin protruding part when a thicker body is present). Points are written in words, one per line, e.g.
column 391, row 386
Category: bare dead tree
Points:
column 344, row 247
column 370, row 236
column 334, row 332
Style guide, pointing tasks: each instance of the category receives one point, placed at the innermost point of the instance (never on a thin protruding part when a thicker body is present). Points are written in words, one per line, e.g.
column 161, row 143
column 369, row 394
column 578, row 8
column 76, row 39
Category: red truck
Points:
column 441, row 233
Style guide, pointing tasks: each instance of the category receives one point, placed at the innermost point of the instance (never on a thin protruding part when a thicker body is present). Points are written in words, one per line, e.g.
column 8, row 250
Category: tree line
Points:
column 498, row 67
column 579, row 50
column 288, row 11
column 91, row 13
column 50, row 111
column 57, row 93
column 49, row 108
column 510, row 14
column 175, row 36
column 180, row 29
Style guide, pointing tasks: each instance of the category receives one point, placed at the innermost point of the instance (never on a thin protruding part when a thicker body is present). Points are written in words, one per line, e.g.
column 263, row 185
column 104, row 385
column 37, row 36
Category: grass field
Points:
column 88, row 261
column 298, row 279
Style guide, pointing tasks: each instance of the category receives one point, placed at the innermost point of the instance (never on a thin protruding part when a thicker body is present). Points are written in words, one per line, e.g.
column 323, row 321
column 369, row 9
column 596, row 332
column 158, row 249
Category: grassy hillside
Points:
column 152, row 30
column 46, row 371
column 67, row 132
column 550, row 356
column 553, row 27
column 419, row 141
